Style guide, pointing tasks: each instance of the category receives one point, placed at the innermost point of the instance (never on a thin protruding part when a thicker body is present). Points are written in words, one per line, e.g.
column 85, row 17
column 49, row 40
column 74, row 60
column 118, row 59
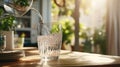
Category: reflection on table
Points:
column 66, row 59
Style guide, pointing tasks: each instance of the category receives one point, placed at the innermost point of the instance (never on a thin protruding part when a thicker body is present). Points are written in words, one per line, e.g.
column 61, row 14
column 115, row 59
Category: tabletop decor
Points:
column 6, row 27
column 19, row 8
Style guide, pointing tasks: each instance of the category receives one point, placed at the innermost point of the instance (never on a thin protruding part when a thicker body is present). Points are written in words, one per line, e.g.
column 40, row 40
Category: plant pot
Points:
column 9, row 39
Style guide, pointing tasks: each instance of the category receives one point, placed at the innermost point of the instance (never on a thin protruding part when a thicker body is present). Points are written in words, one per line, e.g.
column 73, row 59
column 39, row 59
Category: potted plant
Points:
column 20, row 7
column 6, row 27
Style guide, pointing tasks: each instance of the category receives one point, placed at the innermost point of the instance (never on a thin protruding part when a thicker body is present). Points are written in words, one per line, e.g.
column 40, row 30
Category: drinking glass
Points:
column 2, row 43
column 49, row 45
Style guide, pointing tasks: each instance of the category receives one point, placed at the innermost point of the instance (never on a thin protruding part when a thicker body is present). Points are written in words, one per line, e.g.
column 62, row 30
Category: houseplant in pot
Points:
column 16, row 8
column 6, row 27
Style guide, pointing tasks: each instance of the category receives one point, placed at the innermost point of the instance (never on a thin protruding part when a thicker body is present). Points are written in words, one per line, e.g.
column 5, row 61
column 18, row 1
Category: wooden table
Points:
column 66, row 59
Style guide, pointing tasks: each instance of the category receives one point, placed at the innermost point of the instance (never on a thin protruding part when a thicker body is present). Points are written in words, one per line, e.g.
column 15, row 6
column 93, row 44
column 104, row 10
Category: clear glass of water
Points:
column 50, row 45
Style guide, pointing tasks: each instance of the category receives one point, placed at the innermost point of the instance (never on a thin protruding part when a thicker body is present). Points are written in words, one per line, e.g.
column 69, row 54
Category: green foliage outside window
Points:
column 67, row 30
column 98, row 38
column 86, row 38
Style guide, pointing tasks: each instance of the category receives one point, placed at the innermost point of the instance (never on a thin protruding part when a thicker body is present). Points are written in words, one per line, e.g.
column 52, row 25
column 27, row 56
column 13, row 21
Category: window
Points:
column 91, row 23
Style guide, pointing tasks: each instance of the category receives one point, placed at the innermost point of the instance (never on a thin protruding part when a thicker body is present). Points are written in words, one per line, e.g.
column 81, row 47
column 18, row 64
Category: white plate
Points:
column 11, row 55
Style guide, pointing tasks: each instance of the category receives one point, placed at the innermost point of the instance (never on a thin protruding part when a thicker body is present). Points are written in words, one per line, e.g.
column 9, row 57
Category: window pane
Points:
column 91, row 21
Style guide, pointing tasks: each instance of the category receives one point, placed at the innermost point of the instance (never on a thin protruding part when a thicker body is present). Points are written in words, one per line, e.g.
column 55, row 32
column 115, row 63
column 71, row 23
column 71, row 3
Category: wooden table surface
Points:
column 66, row 59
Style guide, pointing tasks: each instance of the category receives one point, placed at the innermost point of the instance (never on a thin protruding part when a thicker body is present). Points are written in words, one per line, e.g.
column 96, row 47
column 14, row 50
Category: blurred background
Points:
column 88, row 25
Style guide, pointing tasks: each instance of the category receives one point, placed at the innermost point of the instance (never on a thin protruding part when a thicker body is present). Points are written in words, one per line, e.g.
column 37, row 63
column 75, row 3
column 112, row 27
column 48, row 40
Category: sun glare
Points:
column 94, row 3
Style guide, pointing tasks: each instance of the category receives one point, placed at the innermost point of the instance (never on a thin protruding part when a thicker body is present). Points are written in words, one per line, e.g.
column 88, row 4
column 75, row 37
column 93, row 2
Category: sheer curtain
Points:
column 113, row 27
